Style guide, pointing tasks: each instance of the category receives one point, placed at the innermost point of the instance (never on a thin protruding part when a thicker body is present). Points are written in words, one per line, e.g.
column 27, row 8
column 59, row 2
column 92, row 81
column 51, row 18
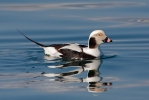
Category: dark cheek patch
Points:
column 92, row 42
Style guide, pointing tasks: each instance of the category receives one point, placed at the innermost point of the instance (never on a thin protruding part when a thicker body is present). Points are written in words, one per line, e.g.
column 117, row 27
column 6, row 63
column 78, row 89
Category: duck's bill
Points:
column 107, row 40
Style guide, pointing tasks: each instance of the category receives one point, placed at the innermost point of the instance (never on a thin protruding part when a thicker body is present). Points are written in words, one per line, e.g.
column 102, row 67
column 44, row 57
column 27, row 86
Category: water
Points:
column 26, row 74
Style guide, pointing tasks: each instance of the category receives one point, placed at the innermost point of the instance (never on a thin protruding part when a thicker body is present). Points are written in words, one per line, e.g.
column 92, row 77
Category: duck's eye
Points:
column 99, row 34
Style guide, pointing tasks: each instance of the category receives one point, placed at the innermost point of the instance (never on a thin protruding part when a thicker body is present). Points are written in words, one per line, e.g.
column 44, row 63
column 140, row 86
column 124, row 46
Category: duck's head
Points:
column 96, row 38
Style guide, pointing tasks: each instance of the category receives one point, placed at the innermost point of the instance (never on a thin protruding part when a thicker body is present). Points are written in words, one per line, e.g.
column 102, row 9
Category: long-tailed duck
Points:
column 74, row 50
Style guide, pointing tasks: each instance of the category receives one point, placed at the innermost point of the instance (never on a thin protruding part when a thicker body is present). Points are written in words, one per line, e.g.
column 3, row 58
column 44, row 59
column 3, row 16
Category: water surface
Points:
column 26, row 73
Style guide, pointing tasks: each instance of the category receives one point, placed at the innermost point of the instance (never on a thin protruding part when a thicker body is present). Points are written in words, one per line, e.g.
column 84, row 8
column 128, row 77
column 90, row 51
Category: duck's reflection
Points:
column 93, row 79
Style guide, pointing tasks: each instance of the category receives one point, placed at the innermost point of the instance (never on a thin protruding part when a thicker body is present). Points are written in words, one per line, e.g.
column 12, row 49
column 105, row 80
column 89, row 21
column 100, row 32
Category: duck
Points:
column 74, row 50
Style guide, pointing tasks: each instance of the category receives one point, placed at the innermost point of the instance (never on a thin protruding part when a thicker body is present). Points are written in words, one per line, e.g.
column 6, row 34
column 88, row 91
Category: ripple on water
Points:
column 109, row 55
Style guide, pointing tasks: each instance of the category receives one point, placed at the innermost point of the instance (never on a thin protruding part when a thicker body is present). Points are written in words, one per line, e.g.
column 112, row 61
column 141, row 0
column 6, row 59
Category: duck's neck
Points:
column 93, row 51
column 93, row 48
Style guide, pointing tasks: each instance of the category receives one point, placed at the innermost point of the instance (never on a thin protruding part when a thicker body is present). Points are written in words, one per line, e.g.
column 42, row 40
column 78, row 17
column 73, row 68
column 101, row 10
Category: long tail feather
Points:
column 32, row 40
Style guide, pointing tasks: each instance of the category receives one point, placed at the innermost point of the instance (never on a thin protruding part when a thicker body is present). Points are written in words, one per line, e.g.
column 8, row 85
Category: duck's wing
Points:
column 70, row 51
column 74, row 51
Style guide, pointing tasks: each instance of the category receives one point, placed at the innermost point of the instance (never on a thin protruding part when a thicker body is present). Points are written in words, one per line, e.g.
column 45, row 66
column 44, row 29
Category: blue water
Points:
column 27, row 74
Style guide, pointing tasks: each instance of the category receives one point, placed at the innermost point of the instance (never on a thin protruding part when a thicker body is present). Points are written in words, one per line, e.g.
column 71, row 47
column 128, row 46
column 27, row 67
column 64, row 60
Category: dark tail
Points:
column 32, row 40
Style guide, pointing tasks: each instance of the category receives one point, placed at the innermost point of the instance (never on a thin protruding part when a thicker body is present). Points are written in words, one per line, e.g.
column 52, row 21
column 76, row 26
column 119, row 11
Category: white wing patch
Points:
column 74, row 47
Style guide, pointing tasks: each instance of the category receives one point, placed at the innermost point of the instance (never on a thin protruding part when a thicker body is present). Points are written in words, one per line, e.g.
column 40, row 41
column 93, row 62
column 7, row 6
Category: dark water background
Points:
column 23, row 64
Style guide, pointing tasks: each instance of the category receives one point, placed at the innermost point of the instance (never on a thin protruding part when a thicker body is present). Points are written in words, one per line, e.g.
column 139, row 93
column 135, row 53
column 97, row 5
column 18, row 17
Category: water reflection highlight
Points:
column 93, row 77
